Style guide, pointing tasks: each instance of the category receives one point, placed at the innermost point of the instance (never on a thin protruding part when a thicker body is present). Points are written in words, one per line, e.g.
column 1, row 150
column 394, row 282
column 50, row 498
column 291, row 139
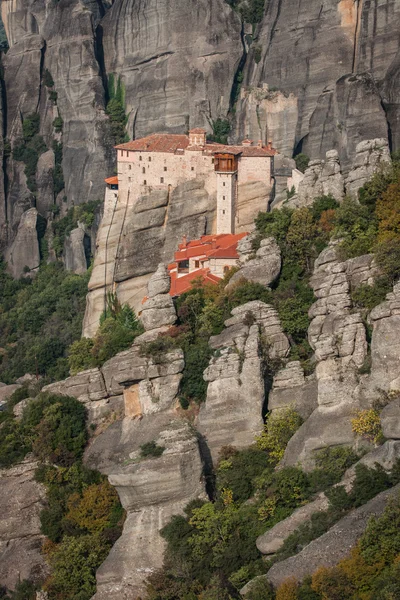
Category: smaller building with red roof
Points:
column 208, row 258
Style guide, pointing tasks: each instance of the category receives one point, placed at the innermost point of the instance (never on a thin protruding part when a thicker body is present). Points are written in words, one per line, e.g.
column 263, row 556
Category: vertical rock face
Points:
column 24, row 252
column 59, row 37
column 21, row 502
column 233, row 411
column 177, row 60
column 338, row 61
column 346, row 114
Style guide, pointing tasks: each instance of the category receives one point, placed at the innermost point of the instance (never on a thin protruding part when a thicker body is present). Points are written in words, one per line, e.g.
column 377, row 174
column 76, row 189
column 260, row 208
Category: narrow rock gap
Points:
column 359, row 9
column 236, row 80
column 208, row 466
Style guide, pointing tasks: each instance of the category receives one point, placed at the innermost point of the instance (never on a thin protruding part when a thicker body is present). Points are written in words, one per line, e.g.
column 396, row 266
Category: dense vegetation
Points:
column 211, row 550
column 118, row 328
column 39, row 320
column 115, row 109
column 83, row 517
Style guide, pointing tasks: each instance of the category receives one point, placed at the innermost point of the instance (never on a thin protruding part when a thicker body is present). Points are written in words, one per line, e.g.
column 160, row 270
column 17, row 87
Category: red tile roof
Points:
column 180, row 285
column 222, row 245
column 171, row 143
column 157, row 143
column 112, row 180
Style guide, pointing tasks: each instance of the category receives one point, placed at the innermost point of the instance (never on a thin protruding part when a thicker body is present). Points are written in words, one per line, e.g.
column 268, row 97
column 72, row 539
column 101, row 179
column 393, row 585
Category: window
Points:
column 192, row 168
column 130, row 168
column 226, row 269
column 197, row 264
column 212, row 161
column 140, row 158
column 224, row 184
column 165, row 168
column 223, row 212
column 223, row 197
column 149, row 158
column 144, row 170
column 161, row 179
column 144, row 182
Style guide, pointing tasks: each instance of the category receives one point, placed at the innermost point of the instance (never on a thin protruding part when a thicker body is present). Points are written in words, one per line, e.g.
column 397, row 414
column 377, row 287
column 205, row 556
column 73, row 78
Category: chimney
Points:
column 247, row 143
column 269, row 145
column 260, row 144
column 197, row 137
column 214, row 244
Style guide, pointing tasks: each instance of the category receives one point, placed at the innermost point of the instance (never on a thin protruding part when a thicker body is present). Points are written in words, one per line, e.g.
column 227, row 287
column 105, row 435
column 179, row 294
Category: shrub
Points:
column 260, row 589
column 238, row 472
column 387, row 256
column 302, row 161
column 367, row 424
column 58, row 423
column 332, row 584
column 331, row 464
column 30, row 126
column 74, row 563
column 368, row 296
column 151, row 449
column 388, row 213
column 47, row 79
column 80, row 355
column 58, row 124
column 287, row 590
column 278, row 430
column 92, row 510
column 221, row 130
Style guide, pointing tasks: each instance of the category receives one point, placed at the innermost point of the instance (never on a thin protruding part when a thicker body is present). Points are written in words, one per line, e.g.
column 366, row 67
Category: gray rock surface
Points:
column 390, row 419
column 21, row 501
column 74, row 252
column 45, row 182
column 24, row 251
column 263, row 269
column 151, row 490
column 7, row 390
column 348, row 112
column 232, row 413
column 334, row 65
column 329, row 549
column 291, row 389
column 171, row 83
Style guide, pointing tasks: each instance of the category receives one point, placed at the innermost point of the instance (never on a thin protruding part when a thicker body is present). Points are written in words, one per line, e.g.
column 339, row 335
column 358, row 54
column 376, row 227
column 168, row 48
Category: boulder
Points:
column 7, row 390
column 263, row 269
column 159, row 283
column 158, row 311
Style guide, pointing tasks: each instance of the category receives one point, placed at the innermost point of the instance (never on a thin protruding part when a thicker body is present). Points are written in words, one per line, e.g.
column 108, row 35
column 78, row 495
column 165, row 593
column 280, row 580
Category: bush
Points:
column 74, row 563
column 302, row 161
column 278, row 430
column 151, row 449
column 58, row 428
column 367, row 424
column 58, row 124
column 47, row 79
column 368, row 296
column 387, row 256
column 238, row 472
